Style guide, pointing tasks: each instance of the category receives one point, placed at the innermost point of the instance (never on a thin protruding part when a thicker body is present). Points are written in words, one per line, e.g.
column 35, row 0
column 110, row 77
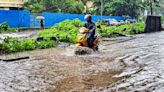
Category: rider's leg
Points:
column 90, row 39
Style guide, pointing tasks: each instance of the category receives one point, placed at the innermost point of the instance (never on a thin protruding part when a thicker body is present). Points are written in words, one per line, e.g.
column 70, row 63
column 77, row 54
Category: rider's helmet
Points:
column 88, row 17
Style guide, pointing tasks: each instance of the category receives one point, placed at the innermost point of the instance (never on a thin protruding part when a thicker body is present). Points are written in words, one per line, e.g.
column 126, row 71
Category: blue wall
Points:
column 15, row 18
column 53, row 18
column 118, row 18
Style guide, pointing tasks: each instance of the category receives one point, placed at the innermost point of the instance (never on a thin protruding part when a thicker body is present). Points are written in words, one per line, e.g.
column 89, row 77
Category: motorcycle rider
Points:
column 92, row 27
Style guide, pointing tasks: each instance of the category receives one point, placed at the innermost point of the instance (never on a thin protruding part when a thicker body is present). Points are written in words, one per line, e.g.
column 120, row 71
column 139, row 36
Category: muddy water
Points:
column 21, row 35
column 120, row 65
column 85, row 83
column 143, row 58
column 57, row 70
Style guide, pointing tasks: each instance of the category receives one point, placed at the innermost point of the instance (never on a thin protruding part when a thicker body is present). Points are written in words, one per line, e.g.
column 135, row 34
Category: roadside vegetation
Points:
column 4, row 27
column 162, row 19
column 15, row 45
column 126, row 29
column 66, row 31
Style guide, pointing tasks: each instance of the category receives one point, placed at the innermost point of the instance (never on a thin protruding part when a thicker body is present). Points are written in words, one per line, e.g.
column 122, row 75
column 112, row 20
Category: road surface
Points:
column 136, row 64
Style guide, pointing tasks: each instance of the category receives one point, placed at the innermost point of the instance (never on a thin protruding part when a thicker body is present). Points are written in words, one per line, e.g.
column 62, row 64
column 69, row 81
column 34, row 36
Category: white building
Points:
column 11, row 4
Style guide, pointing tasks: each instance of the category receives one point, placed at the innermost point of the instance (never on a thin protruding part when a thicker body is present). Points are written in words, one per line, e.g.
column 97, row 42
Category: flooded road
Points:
column 144, row 61
column 51, row 70
column 21, row 35
column 132, row 64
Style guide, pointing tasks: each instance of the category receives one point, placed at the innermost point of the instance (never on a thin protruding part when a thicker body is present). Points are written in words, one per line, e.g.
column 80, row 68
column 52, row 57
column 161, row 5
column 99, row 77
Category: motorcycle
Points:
column 81, row 39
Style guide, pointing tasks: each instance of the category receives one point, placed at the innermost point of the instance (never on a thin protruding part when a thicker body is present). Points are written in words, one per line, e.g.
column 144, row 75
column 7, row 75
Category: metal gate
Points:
column 34, row 22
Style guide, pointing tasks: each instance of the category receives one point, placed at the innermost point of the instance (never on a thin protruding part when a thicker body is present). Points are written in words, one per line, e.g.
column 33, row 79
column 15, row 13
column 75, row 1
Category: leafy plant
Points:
column 4, row 27
column 114, row 31
column 10, row 45
column 65, row 31
column 28, row 44
column 46, row 43
column 15, row 45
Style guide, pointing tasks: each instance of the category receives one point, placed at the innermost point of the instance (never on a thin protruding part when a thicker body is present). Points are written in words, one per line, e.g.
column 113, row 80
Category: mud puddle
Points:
column 86, row 83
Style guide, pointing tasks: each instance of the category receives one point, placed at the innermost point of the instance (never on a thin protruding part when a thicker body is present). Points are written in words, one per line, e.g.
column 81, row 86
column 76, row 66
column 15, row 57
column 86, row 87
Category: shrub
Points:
column 114, row 31
column 4, row 27
column 15, row 45
column 28, row 44
column 162, row 19
column 65, row 31
column 45, row 44
column 11, row 30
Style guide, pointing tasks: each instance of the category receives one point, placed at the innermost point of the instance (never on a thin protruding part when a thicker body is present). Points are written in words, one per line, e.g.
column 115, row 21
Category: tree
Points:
column 33, row 6
column 119, row 7
column 131, row 8
column 63, row 6
column 152, row 4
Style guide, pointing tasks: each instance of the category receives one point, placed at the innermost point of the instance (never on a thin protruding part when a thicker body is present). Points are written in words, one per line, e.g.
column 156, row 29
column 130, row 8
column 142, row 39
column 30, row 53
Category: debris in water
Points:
column 15, row 59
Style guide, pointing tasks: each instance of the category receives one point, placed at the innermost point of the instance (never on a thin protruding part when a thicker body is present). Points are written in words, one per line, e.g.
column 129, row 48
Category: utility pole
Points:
column 101, row 10
column 151, row 8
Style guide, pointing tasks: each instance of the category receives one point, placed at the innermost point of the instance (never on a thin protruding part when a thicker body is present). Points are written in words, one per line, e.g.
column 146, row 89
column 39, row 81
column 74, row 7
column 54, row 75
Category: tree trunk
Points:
column 151, row 8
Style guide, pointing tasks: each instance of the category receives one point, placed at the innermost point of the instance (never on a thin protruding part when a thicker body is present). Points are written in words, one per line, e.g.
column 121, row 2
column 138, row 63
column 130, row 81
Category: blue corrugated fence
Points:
column 17, row 18
column 53, row 18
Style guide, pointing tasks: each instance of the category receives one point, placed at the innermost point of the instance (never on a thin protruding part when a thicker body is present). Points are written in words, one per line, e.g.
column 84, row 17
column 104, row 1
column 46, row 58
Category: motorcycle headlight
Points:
column 81, row 31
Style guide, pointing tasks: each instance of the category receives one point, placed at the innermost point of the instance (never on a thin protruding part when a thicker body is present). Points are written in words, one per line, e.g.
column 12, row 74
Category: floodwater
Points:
column 54, row 70
column 144, row 61
column 21, row 35
column 124, row 64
